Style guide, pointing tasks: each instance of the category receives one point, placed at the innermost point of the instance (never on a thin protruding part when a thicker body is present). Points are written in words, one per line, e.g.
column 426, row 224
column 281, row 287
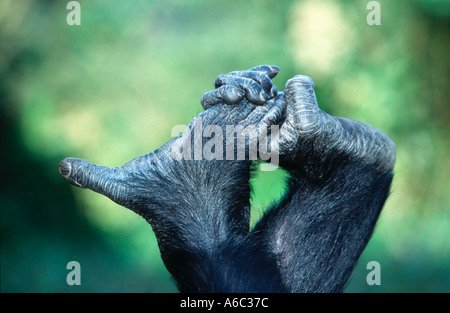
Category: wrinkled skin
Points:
column 199, row 209
column 134, row 184
column 341, row 171
column 306, row 132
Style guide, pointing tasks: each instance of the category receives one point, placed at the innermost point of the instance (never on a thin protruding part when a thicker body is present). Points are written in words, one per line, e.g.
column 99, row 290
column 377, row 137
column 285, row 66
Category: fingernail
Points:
column 274, row 68
column 65, row 168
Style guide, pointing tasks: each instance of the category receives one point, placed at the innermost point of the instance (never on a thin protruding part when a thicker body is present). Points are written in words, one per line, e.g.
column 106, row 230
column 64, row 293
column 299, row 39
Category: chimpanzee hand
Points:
column 195, row 197
column 124, row 185
column 180, row 166
column 341, row 171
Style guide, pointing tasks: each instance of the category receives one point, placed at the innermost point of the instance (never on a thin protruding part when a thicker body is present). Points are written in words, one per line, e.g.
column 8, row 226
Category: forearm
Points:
column 211, row 197
column 196, row 208
column 326, row 226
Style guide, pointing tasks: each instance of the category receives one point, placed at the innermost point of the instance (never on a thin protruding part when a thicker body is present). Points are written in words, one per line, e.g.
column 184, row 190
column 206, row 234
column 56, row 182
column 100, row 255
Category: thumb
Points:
column 299, row 90
column 107, row 181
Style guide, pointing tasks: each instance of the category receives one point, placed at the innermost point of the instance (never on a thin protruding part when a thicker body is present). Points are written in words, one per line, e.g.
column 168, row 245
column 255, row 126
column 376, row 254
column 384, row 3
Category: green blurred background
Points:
column 113, row 88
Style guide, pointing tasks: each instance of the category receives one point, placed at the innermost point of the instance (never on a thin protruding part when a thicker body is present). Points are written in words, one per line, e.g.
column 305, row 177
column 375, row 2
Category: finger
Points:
column 242, row 112
column 261, row 78
column 225, row 94
column 253, row 91
column 270, row 70
column 102, row 179
column 299, row 91
column 276, row 113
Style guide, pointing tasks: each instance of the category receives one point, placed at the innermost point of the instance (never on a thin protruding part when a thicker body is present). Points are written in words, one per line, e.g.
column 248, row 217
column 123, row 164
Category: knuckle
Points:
column 219, row 80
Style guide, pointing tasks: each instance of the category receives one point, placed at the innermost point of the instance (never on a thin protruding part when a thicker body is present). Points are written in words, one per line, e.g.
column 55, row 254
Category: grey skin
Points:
column 340, row 175
column 245, row 93
column 198, row 208
column 306, row 132
column 189, row 204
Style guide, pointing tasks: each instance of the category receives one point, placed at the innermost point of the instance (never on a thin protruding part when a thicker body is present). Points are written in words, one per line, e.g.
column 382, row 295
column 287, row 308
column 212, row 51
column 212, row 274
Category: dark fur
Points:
column 200, row 210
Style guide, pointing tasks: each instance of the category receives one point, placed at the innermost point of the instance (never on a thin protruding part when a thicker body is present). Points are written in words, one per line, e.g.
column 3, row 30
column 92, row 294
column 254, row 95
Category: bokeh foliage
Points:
column 113, row 88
